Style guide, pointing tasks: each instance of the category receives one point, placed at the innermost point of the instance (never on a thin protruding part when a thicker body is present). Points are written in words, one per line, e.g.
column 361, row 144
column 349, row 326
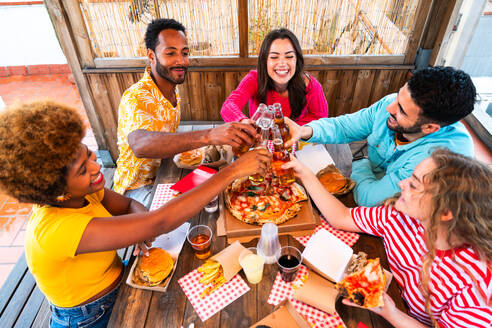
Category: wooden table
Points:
column 141, row 308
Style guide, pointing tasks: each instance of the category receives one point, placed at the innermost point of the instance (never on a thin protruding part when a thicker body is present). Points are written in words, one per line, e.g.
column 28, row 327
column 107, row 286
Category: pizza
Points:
column 264, row 202
column 365, row 286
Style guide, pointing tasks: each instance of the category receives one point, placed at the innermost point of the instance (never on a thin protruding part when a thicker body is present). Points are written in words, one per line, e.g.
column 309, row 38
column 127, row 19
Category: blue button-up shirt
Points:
column 377, row 177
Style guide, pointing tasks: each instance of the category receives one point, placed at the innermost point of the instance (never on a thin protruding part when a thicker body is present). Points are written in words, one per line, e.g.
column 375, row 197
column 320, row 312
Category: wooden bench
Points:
column 22, row 304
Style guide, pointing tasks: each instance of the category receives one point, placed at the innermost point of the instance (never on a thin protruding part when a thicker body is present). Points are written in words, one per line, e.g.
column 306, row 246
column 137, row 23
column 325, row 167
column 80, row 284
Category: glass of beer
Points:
column 289, row 261
column 200, row 239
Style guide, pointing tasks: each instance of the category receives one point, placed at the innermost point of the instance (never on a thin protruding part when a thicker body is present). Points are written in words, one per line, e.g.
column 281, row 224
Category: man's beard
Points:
column 416, row 128
column 165, row 73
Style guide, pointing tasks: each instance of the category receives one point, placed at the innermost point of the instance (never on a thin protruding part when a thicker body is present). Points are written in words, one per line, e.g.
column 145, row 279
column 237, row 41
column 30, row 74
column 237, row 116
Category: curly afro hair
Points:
column 156, row 26
column 444, row 94
column 38, row 141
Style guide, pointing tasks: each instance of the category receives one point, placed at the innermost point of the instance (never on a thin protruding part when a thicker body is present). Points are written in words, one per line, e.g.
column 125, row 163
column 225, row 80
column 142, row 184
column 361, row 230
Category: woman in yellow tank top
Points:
column 77, row 224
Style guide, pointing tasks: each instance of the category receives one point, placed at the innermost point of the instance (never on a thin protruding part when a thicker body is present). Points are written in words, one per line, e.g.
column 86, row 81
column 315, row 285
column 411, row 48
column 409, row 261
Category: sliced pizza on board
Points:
column 263, row 202
column 365, row 286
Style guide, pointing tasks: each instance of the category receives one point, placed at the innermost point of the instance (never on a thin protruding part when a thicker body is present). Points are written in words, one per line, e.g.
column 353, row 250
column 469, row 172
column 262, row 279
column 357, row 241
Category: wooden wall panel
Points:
column 215, row 90
column 381, row 85
column 202, row 95
column 362, row 92
column 330, row 81
column 343, row 102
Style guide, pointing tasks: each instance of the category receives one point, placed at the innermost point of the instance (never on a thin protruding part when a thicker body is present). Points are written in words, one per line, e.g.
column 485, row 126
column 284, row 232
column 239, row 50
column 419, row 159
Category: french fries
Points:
column 213, row 274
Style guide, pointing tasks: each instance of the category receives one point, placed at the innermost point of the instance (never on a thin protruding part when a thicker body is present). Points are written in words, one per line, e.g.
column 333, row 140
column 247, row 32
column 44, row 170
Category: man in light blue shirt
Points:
column 401, row 130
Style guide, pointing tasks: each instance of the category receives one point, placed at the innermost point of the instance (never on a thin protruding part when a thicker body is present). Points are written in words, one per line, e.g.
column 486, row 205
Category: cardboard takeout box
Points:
column 172, row 242
column 303, row 224
column 285, row 316
column 229, row 259
column 327, row 255
column 318, row 292
column 212, row 156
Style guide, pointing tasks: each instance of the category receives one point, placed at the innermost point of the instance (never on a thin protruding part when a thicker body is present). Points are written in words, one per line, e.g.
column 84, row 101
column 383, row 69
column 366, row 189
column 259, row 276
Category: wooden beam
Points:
column 309, row 60
column 415, row 35
column 354, row 60
column 442, row 30
column 242, row 20
column 79, row 31
column 59, row 19
column 248, row 68
column 100, row 85
column 440, row 13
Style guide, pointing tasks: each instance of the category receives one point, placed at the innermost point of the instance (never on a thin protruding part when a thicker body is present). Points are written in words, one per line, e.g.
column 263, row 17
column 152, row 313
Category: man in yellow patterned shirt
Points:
column 149, row 114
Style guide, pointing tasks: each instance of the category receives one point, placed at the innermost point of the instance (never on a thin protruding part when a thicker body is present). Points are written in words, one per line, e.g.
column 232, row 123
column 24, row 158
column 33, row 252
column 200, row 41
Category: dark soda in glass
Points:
column 287, row 264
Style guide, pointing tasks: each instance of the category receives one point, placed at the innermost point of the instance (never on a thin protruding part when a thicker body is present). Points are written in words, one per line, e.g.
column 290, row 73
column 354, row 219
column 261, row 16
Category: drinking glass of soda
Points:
column 200, row 239
column 289, row 261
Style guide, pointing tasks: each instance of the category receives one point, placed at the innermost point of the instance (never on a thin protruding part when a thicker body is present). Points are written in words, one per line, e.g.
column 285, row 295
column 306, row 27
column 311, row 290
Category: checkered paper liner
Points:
column 162, row 195
column 349, row 238
column 213, row 303
column 317, row 318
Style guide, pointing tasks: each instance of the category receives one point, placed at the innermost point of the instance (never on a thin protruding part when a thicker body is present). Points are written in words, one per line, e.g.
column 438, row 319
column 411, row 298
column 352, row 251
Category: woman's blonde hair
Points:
column 462, row 186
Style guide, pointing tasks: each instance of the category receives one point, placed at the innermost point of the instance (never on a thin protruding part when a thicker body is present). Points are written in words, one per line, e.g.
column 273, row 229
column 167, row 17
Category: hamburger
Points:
column 153, row 269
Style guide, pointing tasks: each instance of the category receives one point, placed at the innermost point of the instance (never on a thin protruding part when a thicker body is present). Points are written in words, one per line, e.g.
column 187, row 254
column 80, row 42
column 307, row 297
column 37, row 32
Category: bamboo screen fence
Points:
column 336, row 27
column 116, row 28
column 330, row 27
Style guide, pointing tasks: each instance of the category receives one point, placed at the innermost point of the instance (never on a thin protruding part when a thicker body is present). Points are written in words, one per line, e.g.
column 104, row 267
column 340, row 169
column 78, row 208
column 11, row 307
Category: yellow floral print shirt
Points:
column 144, row 107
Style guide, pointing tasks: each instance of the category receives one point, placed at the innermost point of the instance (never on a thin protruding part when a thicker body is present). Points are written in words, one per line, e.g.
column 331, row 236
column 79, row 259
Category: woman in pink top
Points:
column 280, row 79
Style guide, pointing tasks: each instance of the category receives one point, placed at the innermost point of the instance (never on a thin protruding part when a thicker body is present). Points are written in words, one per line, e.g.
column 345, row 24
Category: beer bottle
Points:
column 258, row 178
column 279, row 121
column 260, row 112
column 280, row 157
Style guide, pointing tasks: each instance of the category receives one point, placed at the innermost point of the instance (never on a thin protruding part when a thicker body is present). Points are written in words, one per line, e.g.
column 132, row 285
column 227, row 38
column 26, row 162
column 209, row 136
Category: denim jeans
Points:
column 95, row 314
column 141, row 195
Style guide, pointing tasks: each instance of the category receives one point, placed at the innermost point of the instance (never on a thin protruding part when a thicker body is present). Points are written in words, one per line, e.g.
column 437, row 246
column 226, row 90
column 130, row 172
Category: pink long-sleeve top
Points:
column 231, row 110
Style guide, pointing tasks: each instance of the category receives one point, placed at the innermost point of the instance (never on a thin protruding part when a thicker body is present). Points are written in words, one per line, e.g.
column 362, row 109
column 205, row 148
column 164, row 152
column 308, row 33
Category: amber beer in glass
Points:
column 280, row 157
column 200, row 239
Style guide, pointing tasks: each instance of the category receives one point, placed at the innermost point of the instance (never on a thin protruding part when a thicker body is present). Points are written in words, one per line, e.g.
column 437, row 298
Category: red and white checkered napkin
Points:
column 317, row 318
column 348, row 238
column 162, row 195
column 213, row 303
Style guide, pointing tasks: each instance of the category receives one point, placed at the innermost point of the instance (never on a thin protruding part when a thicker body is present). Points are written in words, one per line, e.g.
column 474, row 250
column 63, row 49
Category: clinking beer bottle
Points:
column 280, row 157
column 258, row 117
column 279, row 120
column 258, row 178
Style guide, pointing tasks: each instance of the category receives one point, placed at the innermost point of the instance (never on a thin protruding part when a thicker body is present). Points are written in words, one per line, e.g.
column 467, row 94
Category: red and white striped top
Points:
column 456, row 299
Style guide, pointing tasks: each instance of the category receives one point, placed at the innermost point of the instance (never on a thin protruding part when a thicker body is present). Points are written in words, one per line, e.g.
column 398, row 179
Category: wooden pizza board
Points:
column 303, row 224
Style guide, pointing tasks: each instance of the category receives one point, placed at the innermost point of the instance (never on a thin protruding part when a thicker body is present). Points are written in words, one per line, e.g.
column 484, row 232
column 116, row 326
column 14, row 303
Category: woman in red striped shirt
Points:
column 437, row 236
